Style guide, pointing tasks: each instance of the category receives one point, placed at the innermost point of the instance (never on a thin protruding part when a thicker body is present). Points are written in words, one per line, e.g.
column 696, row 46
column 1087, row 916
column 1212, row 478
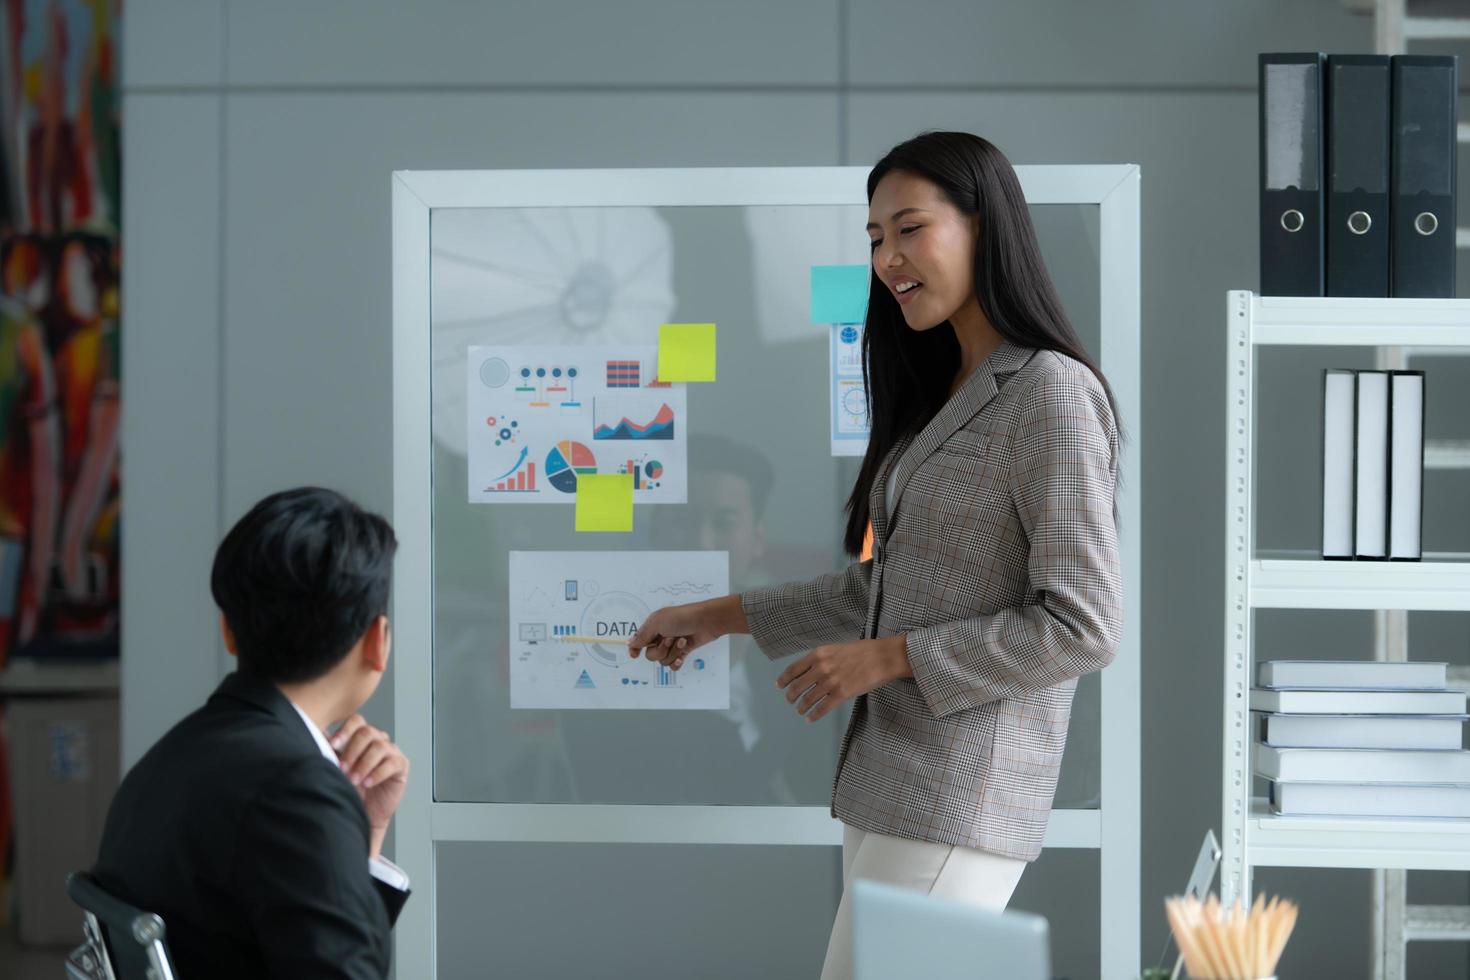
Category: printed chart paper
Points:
column 540, row 417
column 849, row 394
column 571, row 613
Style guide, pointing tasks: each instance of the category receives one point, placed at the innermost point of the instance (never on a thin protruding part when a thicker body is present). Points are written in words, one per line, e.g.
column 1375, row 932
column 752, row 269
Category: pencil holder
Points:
column 1233, row 944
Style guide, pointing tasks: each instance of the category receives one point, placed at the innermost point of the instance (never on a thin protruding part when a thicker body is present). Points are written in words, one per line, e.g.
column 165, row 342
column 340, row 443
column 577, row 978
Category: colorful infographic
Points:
column 572, row 612
column 849, row 393
column 539, row 417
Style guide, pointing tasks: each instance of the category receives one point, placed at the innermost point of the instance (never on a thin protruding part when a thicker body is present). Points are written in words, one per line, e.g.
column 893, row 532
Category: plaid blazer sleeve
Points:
column 1062, row 478
column 787, row 619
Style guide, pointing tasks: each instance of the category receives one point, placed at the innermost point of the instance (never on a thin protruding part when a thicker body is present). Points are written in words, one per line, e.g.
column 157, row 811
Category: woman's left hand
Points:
column 831, row 674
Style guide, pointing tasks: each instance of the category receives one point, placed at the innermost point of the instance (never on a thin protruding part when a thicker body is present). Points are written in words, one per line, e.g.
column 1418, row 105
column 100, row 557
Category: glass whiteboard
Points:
column 763, row 485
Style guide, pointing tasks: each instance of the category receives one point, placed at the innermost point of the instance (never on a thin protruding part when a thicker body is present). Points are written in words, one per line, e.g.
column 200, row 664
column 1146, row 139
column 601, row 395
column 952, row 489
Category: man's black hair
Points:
column 300, row 579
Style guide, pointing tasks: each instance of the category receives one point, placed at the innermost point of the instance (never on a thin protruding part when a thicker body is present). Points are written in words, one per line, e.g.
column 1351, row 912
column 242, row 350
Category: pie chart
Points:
column 565, row 461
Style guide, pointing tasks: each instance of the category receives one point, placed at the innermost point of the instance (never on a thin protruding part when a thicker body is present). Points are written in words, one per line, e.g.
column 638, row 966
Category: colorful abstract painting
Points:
column 59, row 353
column 60, row 363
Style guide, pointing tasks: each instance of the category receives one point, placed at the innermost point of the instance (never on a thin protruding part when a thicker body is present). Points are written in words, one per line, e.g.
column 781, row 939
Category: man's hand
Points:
column 378, row 769
column 829, row 675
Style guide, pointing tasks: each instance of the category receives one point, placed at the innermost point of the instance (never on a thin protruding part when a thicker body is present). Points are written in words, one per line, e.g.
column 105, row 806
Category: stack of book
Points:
column 1361, row 739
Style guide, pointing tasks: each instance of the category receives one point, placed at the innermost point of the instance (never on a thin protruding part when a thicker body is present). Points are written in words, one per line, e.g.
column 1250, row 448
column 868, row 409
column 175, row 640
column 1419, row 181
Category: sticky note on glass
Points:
column 686, row 352
column 839, row 293
column 605, row 502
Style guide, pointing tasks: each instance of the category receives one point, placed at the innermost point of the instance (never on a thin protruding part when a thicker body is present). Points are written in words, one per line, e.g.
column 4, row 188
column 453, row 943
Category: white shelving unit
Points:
column 1252, row 837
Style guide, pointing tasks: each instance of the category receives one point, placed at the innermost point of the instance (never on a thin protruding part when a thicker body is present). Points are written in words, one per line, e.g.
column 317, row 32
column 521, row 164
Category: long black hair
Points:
column 909, row 372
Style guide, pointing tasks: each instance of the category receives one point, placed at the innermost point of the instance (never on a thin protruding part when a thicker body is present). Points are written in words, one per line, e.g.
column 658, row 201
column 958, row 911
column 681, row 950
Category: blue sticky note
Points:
column 839, row 293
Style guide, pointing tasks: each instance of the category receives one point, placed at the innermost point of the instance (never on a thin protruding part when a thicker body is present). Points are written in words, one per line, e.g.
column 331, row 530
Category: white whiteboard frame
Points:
column 423, row 823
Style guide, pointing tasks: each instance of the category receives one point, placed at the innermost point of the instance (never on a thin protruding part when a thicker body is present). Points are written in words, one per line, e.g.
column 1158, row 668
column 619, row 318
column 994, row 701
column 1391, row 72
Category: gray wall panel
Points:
column 173, row 43
column 1063, row 44
column 170, row 448
column 383, row 43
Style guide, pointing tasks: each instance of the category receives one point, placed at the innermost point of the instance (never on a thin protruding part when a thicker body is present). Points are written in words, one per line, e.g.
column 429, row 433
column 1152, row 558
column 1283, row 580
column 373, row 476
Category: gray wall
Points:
column 259, row 140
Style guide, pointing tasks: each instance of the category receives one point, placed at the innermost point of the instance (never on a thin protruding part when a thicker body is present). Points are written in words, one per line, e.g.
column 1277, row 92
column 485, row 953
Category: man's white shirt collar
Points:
column 382, row 869
column 318, row 736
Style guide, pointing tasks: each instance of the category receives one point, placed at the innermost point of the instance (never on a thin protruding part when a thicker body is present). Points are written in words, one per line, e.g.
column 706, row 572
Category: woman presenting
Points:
column 994, row 580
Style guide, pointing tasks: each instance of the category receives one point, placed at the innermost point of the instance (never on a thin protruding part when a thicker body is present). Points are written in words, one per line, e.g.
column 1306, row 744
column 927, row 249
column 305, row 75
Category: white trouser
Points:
column 960, row 874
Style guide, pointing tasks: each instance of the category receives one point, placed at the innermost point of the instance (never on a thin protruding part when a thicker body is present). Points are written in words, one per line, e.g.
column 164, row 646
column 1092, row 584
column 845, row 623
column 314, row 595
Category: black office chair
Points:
column 122, row 943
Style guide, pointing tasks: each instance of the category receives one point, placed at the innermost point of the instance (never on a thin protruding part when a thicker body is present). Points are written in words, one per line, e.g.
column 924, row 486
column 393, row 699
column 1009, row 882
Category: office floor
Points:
column 19, row 962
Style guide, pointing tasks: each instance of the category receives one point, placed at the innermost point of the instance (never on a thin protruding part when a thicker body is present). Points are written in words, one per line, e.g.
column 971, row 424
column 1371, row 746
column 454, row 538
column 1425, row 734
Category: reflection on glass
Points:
column 540, row 276
column 762, row 486
column 1069, row 242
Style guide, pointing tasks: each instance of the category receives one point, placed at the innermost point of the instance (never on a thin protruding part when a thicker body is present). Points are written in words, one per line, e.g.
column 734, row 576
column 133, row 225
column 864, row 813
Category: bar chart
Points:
column 523, row 480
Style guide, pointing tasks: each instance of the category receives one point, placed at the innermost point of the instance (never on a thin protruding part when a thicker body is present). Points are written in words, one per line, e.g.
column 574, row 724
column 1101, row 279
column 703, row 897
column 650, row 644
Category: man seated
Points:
column 249, row 828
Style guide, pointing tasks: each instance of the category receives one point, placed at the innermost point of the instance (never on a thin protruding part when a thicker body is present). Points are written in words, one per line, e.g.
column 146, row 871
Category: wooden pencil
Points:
column 1231, row 944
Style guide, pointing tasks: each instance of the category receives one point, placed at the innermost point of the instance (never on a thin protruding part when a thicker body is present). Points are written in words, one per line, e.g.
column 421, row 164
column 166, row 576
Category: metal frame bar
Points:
column 1436, row 28
column 413, row 595
column 422, row 822
column 1239, row 545
column 1121, row 345
column 553, row 823
column 1433, row 584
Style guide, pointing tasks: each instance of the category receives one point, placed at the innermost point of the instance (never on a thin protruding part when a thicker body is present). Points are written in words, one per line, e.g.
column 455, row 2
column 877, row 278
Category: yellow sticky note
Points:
column 686, row 352
column 605, row 502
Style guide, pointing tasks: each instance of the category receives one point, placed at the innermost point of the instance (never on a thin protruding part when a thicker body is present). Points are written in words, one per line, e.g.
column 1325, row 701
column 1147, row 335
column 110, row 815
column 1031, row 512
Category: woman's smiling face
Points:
column 923, row 248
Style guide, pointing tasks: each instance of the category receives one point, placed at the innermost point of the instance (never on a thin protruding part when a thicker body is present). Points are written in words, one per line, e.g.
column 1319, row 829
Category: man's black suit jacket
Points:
column 251, row 845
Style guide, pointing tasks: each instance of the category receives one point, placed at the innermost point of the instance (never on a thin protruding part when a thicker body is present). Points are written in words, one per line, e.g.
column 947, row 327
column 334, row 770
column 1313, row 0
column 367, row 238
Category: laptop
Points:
column 1199, row 887
column 898, row 934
